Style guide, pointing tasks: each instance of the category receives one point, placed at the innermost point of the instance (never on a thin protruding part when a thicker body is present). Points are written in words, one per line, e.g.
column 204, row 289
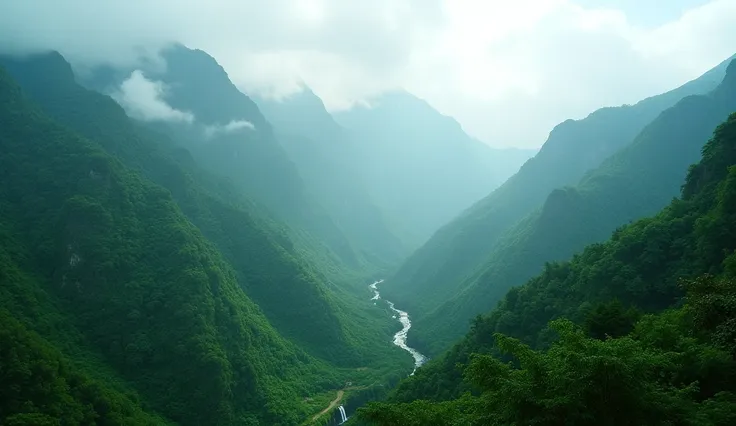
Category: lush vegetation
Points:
column 674, row 368
column 616, row 366
column 636, row 182
column 167, row 273
column 111, row 290
column 146, row 290
column 292, row 281
column 456, row 253
column 251, row 158
column 41, row 385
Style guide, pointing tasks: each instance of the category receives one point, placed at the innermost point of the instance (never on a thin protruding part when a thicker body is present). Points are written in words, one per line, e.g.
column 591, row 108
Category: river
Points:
column 401, row 335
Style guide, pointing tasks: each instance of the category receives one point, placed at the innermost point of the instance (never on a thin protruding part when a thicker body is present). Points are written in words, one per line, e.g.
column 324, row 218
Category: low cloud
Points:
column 507, row 70
column 231, row 127
column 143, row 99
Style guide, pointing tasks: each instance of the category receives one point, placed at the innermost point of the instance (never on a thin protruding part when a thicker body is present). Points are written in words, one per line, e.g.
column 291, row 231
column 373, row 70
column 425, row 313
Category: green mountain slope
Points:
column 228, row 135
column 422, row 168
column 69, row 383
column 438, row 269
column 675, row 367
column 146, row 291
column 635, row 182
column 324, row 154
column 269, row 268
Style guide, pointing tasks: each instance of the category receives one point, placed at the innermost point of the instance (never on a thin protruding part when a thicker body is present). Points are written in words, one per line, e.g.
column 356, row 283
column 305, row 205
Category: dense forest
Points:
column 176, row 250
column 636, row 181
column 636, row 330
column 503, row 240
column 110, row 279
column 119, row 262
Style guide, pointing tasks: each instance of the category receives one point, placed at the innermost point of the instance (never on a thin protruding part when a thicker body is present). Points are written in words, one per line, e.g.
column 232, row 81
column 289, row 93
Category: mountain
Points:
column 302, row 113
column 114, row 305
column 423, row 169
column 635, row 182
column 254, row 245
column 324, row 155
column 439, row 270
column 636, row 330
column 324, row 318
column 227, row 134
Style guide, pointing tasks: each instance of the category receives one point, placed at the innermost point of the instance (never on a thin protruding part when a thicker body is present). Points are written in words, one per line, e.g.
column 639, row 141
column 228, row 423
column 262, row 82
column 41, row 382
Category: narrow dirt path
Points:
column 332, row 405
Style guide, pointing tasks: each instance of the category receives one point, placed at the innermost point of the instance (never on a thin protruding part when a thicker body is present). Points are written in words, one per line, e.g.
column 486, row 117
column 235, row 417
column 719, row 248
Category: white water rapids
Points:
column 400, row 336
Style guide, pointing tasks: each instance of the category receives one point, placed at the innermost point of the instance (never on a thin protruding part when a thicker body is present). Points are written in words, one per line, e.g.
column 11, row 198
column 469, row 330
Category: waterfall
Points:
column 343, row 416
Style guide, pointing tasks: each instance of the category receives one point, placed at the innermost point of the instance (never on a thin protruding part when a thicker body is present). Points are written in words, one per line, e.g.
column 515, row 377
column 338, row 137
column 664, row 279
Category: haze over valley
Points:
column 312, row 212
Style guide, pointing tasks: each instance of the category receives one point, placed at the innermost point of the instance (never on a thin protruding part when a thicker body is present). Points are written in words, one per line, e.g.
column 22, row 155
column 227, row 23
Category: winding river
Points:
column 401, row 335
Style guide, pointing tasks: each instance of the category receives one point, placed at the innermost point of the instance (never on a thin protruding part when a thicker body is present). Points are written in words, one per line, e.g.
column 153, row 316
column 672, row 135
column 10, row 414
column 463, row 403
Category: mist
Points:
column 491, row 65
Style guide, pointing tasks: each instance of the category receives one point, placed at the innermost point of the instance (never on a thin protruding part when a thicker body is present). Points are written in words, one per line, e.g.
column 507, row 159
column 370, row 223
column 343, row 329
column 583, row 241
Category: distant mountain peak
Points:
column 398, row 106
column 300, row 113
column 200, row 84
column 305, row 97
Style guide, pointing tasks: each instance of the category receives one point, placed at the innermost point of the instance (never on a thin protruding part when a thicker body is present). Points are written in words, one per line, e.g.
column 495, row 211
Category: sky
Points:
column 508, row 71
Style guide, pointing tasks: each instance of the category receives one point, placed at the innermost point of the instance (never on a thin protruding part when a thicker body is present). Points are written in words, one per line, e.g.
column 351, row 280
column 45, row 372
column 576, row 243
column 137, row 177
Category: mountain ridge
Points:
column 580, row 320
column 438, row 269
column 637, row 181
column 418, row 159
column 117, row 251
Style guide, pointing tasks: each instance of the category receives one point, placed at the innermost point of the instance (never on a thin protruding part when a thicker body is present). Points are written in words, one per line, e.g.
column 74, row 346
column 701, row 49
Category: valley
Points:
column 249, row 217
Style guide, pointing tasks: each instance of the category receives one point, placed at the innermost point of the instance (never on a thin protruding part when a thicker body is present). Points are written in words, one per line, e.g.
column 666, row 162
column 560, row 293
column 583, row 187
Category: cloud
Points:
column 507, row 70
column 142, row 99
column 231, row 127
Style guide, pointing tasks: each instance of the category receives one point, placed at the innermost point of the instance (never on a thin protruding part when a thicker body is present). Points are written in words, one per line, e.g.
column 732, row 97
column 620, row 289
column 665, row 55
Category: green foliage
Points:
column 610, row 319
column 123, row 283
column 252, row 159
column 641, row 267
column 149, row 294
column 636, row 182
column 40, row 387
column 657, row 376
column 712, row 304
column 504, row 239
column 278, row 270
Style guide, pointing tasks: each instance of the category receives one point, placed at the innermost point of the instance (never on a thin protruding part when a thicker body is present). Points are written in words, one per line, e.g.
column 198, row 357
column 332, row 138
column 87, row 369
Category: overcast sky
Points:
column 507, row 70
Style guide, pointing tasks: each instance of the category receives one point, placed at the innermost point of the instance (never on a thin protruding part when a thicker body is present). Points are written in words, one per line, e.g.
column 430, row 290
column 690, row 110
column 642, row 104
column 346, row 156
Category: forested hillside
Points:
column 635, row 182
column 227, row 135
column 440, row 268
column 103, row 265
column 349, row 166
column 268, row 266
column 423, row 169
column 176, row 251
column 303, row 294
column 636, row 330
